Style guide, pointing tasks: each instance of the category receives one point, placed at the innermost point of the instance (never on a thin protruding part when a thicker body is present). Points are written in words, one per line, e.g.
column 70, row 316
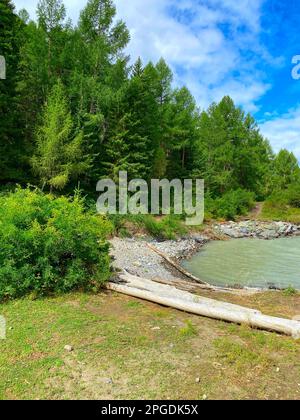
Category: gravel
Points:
column 134, row 256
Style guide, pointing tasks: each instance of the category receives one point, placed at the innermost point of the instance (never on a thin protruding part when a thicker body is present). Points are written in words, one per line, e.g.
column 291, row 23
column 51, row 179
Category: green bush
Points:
column 232, row 204
column 50, row 245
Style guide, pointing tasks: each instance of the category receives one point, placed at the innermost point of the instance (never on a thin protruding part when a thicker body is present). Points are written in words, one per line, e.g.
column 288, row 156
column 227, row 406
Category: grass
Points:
column 165, row 227
column 148, row 351
column 290, row 291
column 280, row 212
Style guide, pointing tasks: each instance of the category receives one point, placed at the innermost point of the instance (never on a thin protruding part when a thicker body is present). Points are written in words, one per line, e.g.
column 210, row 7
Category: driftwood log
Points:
column 178, row 267
column 167, row 295
column 198, row 283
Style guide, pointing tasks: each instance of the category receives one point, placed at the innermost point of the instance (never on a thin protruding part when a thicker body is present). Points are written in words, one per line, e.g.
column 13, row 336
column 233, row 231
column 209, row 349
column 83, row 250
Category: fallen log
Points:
column 170, row 296
column 196, row 281
column 178, row 267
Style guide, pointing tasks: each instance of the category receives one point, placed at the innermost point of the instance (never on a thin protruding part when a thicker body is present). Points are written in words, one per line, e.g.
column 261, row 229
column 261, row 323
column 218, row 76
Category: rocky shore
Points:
column 257, row 229
column 134, row 256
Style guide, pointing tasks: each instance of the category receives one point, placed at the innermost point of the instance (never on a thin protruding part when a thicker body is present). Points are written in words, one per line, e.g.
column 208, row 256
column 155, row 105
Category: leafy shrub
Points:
column 50, row 245
column 230, row 205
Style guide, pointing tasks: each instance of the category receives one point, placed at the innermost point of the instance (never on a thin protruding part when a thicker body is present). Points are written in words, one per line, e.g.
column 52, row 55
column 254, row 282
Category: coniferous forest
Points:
column 74, row 109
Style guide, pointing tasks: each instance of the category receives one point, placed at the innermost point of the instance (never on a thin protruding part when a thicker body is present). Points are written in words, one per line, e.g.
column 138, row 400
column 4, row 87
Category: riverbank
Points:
column 257, row 229
column 134, row 256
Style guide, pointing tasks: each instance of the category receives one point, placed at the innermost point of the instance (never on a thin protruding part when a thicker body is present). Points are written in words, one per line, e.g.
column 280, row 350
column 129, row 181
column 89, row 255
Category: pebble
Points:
column 138, row 259
column 69, row 348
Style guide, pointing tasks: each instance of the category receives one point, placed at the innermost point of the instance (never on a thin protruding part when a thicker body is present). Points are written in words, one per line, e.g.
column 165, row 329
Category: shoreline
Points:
column 135, row 257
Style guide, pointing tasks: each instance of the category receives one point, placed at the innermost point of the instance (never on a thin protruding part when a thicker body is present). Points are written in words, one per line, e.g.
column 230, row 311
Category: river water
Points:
column 248, row 262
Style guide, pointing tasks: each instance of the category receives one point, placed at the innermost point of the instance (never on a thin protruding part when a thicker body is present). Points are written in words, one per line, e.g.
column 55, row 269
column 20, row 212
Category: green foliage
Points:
column 11, row 145
column 167, row 227
column 58, row 156
column 286, row 170
column 72, row 101
column 232, row 204
column 230, row 153
column 290, row 291
column 283, row 205
column 189, row 330
column 50, row 245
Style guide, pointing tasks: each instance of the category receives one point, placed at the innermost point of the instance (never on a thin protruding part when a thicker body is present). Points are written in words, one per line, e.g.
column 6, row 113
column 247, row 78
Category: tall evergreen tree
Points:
column 59, row 155
column 184, row 120
column 285, row 170
column 11, row 146
column 230, row 153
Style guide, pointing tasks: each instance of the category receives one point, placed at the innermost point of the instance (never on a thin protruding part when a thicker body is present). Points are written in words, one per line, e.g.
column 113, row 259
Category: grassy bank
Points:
column 127, row 348
column 280, row 212
column 283, row 205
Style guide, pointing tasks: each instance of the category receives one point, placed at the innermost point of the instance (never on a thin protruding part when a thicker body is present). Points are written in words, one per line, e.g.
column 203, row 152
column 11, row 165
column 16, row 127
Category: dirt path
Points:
column 256, row 212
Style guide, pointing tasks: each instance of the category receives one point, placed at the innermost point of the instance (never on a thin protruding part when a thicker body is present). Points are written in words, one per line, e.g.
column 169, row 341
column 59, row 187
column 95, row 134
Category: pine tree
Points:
column 183, row 117
column 286, row 169
column 59, row 156
column 11, row 147
column 230, row 153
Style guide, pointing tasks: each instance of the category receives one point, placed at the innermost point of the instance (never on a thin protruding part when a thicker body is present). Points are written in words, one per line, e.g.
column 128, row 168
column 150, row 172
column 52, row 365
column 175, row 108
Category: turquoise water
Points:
column 248, row 262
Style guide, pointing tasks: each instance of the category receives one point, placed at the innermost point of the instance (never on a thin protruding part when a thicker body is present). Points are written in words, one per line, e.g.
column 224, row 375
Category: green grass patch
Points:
column 165, row 227
column 188, row 331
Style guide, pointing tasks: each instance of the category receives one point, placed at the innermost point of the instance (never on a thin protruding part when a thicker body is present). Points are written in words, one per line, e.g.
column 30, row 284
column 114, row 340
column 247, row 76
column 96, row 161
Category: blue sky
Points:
column 241, row 48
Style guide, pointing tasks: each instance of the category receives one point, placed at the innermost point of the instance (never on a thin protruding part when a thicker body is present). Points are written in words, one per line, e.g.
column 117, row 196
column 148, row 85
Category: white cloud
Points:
column 284, row 131
column 204, row 42
column 205, row 58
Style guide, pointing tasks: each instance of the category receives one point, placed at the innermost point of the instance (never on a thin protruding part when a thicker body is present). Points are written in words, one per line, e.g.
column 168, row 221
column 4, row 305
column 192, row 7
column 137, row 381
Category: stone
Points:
column 69, row 348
